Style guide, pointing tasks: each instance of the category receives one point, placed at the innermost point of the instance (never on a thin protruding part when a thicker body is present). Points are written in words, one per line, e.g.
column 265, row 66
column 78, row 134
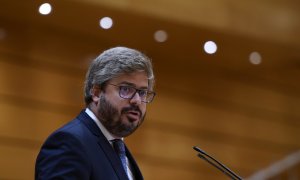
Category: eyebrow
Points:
column 132, row 84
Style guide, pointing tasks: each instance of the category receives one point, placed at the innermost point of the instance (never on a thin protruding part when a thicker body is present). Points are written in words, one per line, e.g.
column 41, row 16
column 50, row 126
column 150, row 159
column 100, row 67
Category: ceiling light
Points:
column 45, row 9
column 255, row 58
column 106, row 23
column 210, row 47
column 160, row 36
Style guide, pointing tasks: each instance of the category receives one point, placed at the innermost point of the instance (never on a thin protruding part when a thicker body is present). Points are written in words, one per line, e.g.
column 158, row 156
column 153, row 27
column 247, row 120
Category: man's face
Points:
column 120, row 116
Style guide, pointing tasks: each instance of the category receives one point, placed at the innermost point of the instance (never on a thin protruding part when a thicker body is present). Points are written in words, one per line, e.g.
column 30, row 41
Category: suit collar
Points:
column 89, row 123
column 104, row 144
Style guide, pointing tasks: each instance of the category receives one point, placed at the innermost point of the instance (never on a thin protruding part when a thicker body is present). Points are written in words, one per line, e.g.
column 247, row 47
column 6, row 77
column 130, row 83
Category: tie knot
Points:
column 119, row 146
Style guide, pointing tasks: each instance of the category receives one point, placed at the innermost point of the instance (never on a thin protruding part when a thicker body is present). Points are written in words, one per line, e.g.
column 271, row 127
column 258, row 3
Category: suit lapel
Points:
column 105, row 145
column 113, row 157
column 135, row 169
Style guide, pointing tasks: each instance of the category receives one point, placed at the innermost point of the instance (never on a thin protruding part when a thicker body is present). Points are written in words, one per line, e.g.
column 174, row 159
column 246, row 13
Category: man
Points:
column 118, row 86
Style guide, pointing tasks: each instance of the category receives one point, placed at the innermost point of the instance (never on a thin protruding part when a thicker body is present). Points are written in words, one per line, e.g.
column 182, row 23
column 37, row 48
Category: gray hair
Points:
column 113, row 63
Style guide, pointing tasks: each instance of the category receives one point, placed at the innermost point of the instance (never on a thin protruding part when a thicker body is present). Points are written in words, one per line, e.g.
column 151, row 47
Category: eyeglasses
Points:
column 128, row 92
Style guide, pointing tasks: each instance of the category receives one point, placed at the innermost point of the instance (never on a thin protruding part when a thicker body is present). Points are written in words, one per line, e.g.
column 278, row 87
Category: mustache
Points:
column 131, row 108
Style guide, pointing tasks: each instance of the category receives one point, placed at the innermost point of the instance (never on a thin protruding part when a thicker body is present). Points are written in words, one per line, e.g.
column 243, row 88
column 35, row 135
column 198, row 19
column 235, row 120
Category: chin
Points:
column 131, row 122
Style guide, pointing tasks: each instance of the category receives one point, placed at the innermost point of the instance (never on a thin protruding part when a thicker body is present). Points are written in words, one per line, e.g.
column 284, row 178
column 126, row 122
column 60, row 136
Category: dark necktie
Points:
column 119, row 147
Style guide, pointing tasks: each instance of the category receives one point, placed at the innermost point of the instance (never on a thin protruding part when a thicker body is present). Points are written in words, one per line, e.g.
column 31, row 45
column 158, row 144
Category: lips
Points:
column 133, row 115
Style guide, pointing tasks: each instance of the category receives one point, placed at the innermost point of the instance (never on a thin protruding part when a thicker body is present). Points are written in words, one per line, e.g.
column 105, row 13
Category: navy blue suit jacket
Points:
column 80, row 151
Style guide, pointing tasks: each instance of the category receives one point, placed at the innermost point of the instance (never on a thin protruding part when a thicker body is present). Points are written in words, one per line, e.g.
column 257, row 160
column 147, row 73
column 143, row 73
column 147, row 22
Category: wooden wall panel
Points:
column 21, row 122
column 167, row 171
column 17, row 162
column 38, row 84
column 234, row 88
column 202, row 116
column 176, row 148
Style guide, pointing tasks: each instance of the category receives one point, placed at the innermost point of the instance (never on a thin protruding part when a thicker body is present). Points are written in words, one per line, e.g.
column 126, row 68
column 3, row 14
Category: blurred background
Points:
column 227, row 81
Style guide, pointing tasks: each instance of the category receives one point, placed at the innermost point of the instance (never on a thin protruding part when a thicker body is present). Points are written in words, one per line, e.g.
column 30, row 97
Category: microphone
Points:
column 203, row 155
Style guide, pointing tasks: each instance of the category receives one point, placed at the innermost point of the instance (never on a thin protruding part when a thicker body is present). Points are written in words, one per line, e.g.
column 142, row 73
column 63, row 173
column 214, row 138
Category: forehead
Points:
column 138, row 79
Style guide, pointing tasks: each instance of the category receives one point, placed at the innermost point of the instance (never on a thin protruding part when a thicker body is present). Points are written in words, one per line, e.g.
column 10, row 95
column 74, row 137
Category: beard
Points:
column 111, row 119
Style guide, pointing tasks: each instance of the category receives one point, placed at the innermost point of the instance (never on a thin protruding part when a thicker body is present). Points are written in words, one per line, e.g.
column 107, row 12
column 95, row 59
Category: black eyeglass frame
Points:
column 136, row 90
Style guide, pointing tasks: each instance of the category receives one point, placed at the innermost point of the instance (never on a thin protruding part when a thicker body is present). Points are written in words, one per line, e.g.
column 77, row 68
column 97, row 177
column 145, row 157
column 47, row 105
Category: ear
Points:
column 95, row 92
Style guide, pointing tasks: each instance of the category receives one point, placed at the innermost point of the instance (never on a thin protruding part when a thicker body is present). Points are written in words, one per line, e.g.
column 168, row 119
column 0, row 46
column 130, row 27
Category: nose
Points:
column 136, row 99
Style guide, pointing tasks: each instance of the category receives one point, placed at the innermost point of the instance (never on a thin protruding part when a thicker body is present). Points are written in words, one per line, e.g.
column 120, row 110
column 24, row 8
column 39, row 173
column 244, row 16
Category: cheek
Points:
column 143, row 108
column 113, row 98
column 118, row 104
